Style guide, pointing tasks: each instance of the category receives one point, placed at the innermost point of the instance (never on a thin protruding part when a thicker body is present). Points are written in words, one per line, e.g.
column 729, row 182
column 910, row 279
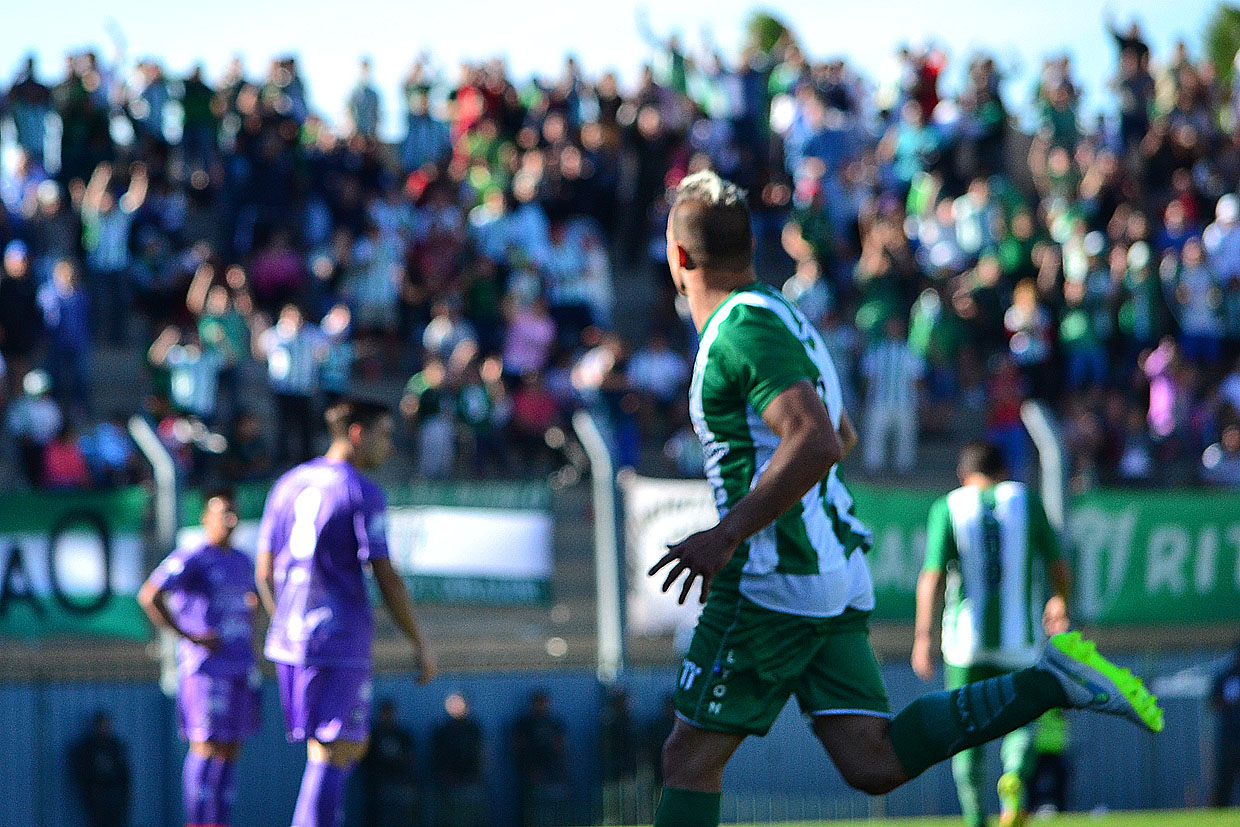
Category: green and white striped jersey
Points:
column 994, row 544
column 810, row 561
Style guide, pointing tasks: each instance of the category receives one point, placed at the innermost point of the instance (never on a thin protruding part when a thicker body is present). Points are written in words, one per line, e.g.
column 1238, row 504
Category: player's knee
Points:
column 685, row 765
column 871, row 780
column 675, row 756
column 218, row 750
column 343, row 754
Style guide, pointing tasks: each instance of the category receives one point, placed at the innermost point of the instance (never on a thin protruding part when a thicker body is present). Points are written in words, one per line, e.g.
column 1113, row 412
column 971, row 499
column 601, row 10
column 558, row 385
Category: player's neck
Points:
column 713, row 292
column 340, row 451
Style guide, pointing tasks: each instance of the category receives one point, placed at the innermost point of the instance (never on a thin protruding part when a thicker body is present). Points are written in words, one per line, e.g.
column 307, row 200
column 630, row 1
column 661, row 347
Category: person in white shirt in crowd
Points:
column 568, row 295
column 1222, row 246
column 336, row 369
column 33, row 421
column 372, row 283
column 450, row 336
column 977, row 215
column 893, row 375
column 657, row 370
column 1196, row 300
column 1220, row 463
column 596, row 280
column 808, row 290
column 293, row 350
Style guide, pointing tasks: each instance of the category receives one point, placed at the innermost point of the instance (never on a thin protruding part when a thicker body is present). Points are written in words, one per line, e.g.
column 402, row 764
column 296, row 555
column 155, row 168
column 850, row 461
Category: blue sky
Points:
column 536, row 36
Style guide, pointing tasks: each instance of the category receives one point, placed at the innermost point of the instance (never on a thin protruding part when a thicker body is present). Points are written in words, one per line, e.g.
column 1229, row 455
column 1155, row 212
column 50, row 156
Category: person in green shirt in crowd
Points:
column 1015, row 251
column 937, row 336
column 427, row 406
column 223, row 310
column 202, row 111
column 1079, row 340
column 1142, row 315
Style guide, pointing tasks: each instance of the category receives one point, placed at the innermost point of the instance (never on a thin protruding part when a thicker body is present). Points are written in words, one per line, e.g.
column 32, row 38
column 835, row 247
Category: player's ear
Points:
column 683, row 255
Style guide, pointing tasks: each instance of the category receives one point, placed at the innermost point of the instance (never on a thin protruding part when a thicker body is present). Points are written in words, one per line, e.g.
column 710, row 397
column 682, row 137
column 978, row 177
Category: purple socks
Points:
column 220, row 788
column 319, row 804
column 195, row 790
column 208, row 790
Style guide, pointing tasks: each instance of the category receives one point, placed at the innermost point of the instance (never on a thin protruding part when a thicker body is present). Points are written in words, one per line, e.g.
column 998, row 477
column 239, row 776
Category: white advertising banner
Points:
column 658, row 513
column 489, row 555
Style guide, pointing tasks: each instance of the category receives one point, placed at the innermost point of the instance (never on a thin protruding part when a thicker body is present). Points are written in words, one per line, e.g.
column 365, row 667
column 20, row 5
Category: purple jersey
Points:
column 208, row 589
column 323, row 519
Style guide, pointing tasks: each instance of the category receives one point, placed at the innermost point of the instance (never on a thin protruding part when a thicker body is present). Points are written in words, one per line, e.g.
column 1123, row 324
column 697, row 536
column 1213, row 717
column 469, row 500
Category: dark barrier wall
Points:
column 1116, row 766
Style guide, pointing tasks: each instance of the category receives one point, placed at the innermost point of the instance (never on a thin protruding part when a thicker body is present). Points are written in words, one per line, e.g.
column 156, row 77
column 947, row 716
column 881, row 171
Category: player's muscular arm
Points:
column 930, row 589
column 396, row 598
column 848, row 434
column 808, row 447
column 265, row 581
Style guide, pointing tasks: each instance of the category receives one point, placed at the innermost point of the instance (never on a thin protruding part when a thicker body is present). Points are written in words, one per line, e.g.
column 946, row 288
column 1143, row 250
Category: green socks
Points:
column 941, row 724
column 967, row 771
column 687, row 808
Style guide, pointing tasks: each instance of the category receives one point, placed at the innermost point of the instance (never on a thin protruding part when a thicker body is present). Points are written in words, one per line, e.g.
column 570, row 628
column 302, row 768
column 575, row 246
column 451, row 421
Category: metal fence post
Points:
column 167, row 517
column 1044, row 431
column 610, row 634
column 164, row 471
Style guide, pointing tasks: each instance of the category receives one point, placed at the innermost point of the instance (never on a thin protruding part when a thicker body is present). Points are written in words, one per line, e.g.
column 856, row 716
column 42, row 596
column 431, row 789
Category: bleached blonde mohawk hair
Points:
column 710, row 221
column 708, row 187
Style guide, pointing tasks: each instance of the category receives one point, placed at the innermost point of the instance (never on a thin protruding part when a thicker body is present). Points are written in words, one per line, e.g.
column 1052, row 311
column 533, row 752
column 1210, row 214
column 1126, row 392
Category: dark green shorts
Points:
column 745, row 661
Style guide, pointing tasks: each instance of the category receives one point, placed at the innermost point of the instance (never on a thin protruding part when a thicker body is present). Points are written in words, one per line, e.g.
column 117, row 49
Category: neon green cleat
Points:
column 1011, row 793
column 1092, row 682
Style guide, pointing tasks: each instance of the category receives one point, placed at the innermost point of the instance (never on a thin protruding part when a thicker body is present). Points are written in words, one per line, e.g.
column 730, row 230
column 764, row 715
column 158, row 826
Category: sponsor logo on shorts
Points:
column 689, row 672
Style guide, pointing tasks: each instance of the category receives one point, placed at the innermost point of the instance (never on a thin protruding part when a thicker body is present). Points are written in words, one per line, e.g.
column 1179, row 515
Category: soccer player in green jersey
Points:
column 990, row 554
column 783, row 573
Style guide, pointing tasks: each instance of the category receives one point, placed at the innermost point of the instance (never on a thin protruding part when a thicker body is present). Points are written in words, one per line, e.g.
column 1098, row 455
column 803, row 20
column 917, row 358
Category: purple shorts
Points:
column 217, row 707
column 326, row 703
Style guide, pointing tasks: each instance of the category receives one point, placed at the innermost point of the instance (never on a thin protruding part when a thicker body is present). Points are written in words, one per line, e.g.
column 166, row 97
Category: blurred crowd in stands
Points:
column 956, row 262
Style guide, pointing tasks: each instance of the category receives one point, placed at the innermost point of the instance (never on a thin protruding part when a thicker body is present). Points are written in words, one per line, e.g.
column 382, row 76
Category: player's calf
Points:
column 860, row 747
column 694, row 758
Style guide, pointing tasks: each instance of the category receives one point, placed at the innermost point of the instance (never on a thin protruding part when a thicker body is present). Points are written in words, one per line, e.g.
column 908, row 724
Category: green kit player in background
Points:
column 991, row 552
column 784, row 578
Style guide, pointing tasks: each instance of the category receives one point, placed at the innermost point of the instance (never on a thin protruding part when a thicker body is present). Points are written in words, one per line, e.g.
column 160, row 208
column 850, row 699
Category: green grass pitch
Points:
column 1151, row 818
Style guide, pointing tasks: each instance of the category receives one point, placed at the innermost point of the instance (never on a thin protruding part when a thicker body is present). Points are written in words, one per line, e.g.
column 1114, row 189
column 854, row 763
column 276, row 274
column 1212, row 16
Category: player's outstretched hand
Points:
column 210, row 639
column 702, row 555
column 426, row 666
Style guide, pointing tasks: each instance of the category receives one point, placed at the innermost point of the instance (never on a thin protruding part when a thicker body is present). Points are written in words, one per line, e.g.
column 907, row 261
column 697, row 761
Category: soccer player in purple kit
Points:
column 323, row 523
column 205, row 593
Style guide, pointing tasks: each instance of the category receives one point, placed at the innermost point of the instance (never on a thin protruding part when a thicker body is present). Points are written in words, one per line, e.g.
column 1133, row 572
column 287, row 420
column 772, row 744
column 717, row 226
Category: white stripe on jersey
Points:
column 963, row 632
column 839, row 583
